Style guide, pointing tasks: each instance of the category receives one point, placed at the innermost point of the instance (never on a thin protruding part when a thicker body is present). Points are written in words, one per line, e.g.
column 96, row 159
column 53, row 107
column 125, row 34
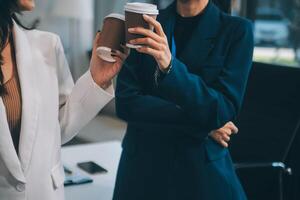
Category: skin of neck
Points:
column 191, row 8
column 7, row 50
column 7, row 68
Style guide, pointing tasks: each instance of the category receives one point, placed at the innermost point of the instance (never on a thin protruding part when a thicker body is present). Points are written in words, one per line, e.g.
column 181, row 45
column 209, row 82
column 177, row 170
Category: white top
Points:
column 53, row 111
column 142, row 8
column 116, row 15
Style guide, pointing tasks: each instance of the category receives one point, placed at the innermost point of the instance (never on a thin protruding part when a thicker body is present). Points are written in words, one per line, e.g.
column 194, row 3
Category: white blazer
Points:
column 53, row 111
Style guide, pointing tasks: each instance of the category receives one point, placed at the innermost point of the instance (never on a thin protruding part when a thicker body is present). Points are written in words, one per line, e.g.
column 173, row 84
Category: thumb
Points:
column 96, row 41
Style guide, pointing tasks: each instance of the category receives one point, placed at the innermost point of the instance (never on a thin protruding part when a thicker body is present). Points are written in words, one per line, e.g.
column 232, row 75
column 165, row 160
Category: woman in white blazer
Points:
column 40, row 107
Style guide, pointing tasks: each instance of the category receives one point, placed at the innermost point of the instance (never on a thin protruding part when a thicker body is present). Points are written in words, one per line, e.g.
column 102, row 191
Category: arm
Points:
column 133, row 105
column 211, row 106
column 223, row 135
column 80, row 103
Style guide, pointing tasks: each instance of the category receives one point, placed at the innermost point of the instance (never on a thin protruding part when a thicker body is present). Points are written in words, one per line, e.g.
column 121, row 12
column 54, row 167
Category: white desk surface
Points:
column 106, row 155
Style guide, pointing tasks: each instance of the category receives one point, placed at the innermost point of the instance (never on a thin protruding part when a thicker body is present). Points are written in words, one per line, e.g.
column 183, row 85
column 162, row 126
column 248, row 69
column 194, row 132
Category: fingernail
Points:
column 132, row 41
column 131, row 29
column 146, row 16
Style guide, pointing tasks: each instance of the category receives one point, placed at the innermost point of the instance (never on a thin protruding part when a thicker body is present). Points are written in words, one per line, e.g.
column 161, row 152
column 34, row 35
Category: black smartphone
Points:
column 91, row 167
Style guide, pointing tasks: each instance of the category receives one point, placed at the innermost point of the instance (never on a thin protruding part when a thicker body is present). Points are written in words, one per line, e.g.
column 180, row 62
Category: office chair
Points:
column 268, row 123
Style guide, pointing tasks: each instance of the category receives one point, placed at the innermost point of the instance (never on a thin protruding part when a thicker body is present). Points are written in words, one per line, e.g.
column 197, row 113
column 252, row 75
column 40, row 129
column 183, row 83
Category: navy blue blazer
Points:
column 167, row 153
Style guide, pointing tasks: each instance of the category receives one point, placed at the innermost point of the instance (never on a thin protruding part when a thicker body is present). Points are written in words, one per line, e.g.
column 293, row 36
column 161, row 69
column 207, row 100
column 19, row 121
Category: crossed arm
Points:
column 209, row 106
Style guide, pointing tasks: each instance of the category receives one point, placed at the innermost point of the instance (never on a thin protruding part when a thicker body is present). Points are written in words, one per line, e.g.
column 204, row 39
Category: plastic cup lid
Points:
column 115, row 15
column 142, row 8
column 105, row 54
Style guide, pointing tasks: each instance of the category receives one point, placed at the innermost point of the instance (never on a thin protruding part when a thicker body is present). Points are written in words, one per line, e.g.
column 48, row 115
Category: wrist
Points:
column 99, row 80
column 103, row 84
column 167, row 69
column 106, row 85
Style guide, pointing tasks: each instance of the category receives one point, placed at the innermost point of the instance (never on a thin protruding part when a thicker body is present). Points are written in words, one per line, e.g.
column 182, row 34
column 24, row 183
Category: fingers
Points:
column 226, row 138
column 147, row 42
column 229, row 129
column 154, row 44
column 149, row 51
column 224, row 144
column 225, row 131
column 157, row 26
column 118, row 64
column 219, row 139
column 222, row 135
column 146, row 33
column 96, row 40
column 119, row 54
column 233, row 128
column 126, row 50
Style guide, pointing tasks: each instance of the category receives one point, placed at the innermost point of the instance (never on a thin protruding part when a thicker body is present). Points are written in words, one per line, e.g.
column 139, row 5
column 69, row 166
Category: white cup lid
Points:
column 105, row 54
column 142, row 8
column 115, row 15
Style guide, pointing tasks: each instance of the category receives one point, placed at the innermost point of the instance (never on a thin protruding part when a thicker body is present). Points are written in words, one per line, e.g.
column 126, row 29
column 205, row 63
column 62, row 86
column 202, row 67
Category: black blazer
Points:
column 167, row 152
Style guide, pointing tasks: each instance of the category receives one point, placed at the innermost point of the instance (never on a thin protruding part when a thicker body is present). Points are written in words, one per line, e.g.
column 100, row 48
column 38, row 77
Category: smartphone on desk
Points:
column 75, row 177
column 91, row 167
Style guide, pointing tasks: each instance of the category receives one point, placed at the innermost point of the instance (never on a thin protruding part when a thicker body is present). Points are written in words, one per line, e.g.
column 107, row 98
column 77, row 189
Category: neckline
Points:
column 195, row 16
column 13, row 56
column 10, row 80
column 180, row 18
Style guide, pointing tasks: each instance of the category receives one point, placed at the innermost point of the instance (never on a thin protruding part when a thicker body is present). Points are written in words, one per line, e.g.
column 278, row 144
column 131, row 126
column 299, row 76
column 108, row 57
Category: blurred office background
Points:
column 276, row 22
column 277, row 60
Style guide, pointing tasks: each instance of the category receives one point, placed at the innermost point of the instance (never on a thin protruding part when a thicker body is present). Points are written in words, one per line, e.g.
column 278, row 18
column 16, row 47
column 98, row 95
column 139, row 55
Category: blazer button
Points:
column 20, row 187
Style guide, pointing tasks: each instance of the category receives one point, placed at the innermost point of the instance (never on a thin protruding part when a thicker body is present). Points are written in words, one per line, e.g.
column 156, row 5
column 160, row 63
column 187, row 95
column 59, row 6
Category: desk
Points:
column 105, row 154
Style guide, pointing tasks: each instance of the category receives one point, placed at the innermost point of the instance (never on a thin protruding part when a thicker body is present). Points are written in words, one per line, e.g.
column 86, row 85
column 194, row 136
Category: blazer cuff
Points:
column 94, row 97
column 109, row 91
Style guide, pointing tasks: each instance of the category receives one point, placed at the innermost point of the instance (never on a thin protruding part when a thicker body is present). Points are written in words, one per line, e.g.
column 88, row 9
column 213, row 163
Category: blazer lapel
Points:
column 167, row 19
column 30, row 95
column 202, row 41
column 7, row 150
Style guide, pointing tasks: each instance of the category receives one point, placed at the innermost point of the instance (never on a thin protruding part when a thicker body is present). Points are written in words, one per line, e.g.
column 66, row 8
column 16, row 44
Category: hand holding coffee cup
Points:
column 104, row 71
column 153, row 43
column 134, row 18
column 112, row 37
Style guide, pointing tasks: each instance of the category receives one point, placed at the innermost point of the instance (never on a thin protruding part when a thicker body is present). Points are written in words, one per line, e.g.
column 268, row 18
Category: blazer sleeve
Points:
column 211, row 106
column 79, row 103
column 133, row 104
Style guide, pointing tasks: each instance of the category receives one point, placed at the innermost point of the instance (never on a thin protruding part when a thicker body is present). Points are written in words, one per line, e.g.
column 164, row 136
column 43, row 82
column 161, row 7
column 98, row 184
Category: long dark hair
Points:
column 8, row 10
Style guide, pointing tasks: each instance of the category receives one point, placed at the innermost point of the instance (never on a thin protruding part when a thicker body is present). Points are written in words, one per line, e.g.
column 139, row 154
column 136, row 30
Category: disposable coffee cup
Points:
column 112, row 36
column 134, row 18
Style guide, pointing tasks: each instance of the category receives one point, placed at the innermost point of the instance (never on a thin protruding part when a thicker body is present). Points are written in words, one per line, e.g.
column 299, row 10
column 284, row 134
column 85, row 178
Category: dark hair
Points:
column 8, row 10
column 224, row 5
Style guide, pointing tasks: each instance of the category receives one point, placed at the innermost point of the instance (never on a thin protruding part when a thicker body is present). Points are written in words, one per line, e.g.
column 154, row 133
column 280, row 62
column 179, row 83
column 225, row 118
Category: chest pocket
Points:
column 209, row 69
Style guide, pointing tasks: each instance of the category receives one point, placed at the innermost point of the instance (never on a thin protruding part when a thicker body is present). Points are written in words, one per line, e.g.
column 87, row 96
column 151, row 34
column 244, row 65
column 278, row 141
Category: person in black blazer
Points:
column 188, row 79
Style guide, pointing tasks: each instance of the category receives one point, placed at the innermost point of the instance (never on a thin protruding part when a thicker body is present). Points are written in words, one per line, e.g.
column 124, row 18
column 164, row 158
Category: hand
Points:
column 154, row 43
column 102, row 71
column 222, row 135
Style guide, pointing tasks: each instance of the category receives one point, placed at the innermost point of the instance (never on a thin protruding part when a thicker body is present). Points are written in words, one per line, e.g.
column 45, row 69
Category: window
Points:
column 276, row 26
column 276, row 29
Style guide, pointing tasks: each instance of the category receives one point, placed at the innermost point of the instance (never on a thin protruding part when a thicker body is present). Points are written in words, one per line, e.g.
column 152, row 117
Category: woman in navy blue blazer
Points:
column 188, row 79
